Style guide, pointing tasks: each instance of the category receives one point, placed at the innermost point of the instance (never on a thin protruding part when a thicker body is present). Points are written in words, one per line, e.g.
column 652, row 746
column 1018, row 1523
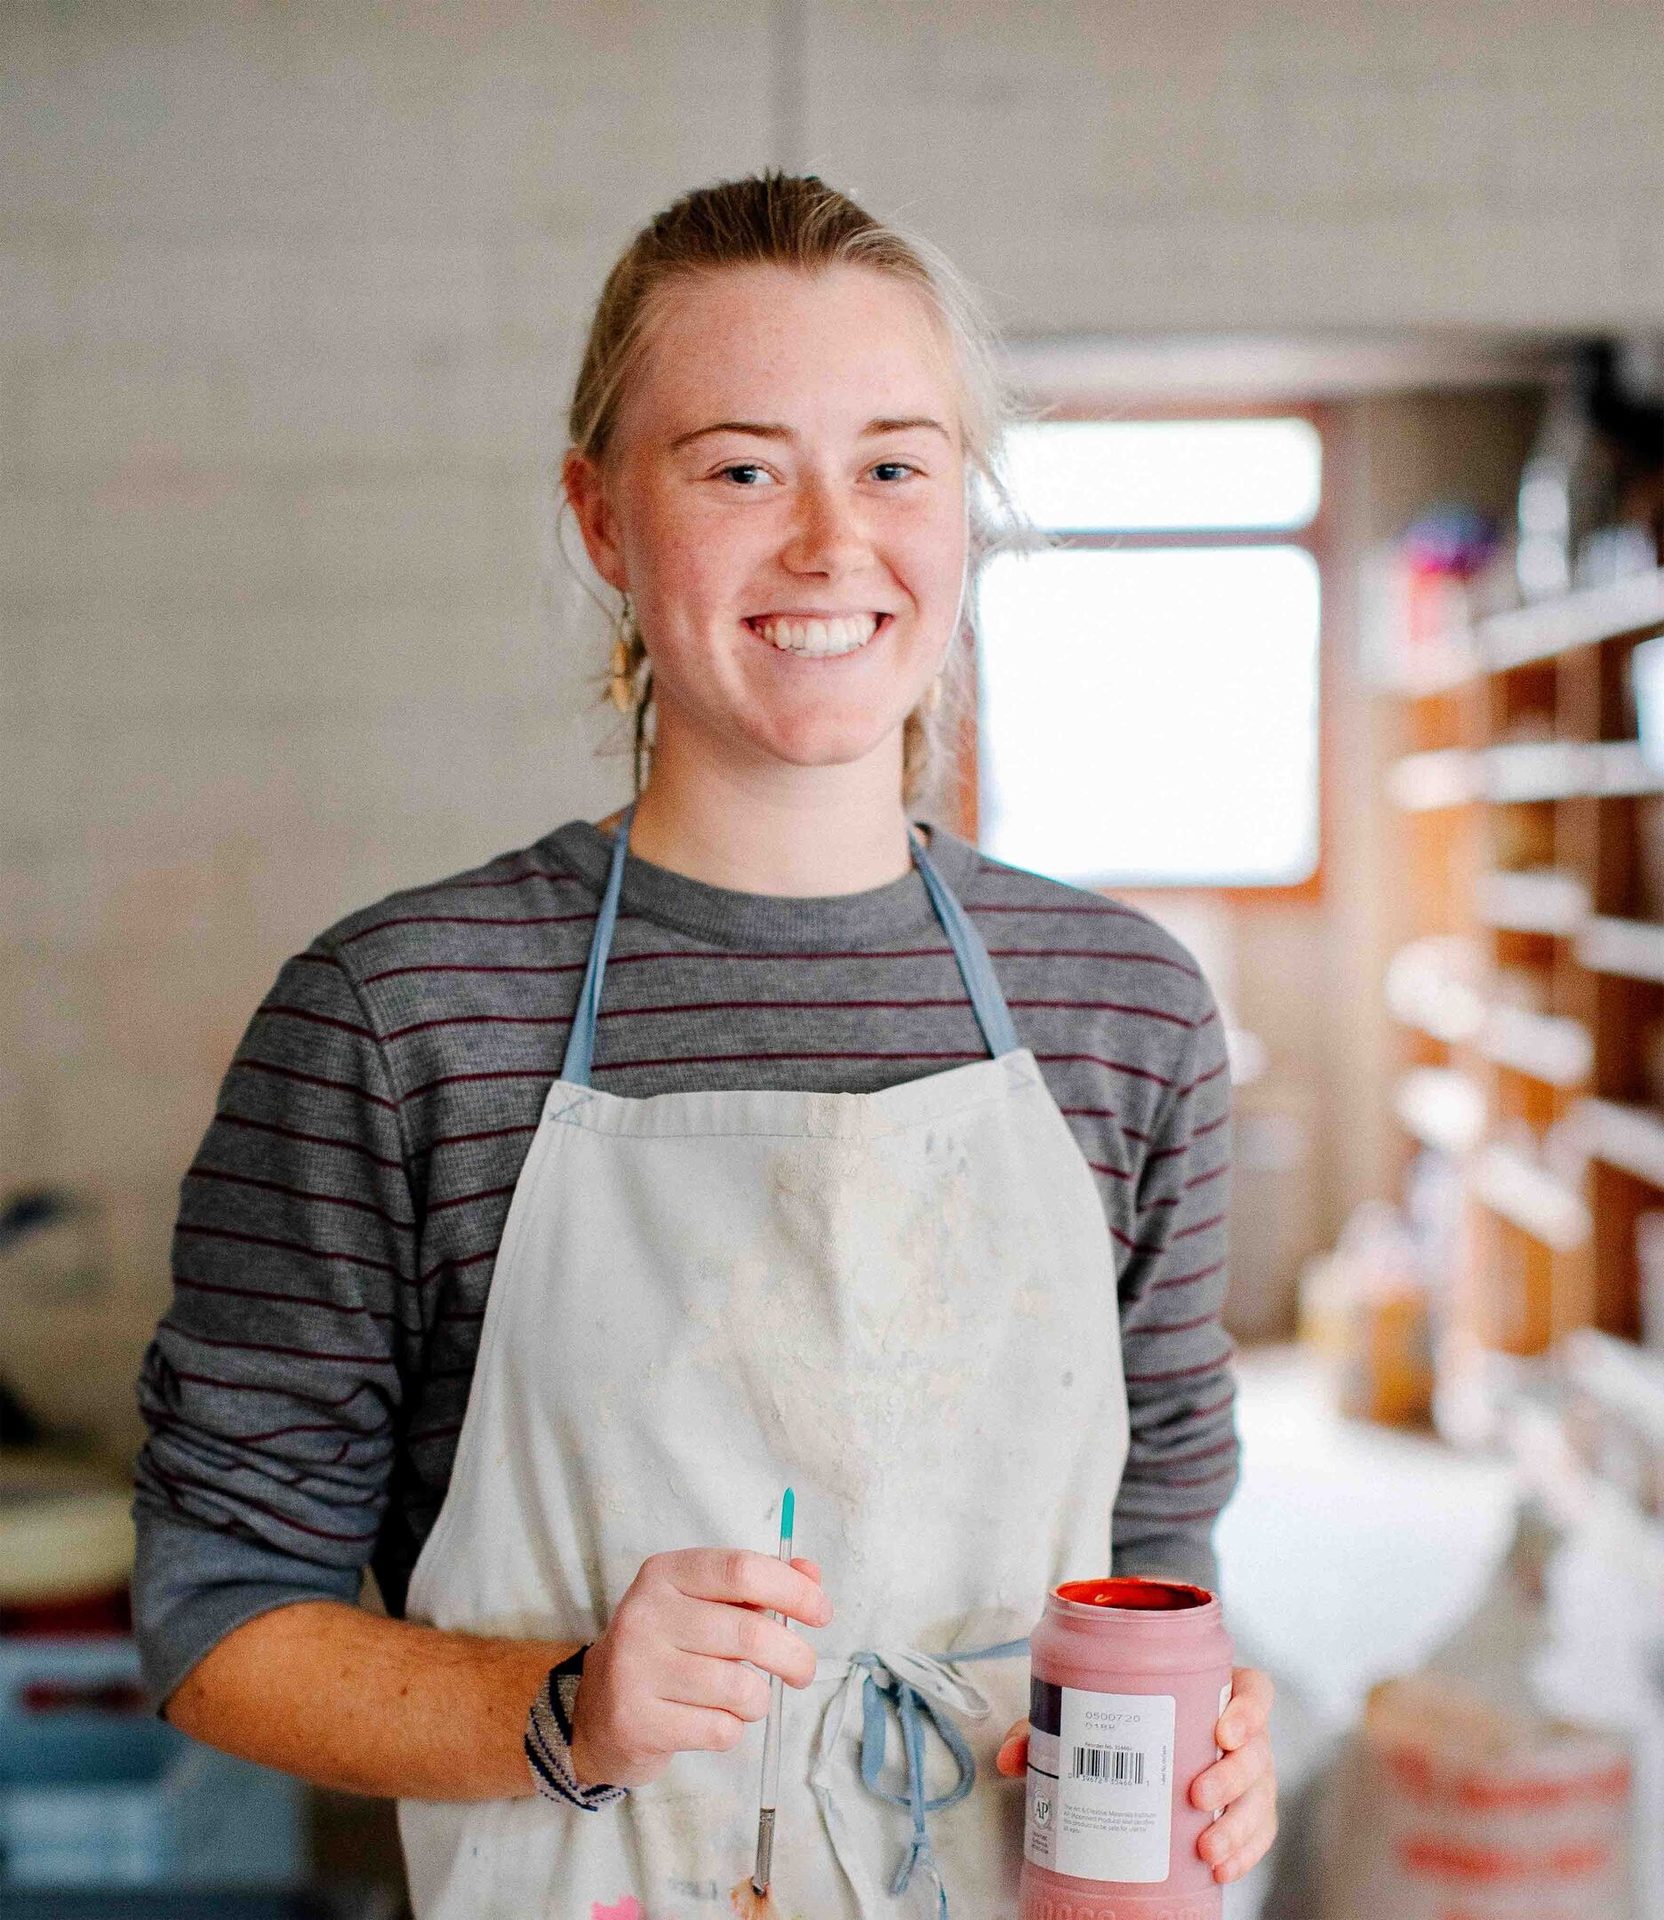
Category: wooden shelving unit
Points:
column 1536, row 1059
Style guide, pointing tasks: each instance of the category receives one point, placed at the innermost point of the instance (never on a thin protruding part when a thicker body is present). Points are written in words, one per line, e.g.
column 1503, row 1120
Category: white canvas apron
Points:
column 903, row 1305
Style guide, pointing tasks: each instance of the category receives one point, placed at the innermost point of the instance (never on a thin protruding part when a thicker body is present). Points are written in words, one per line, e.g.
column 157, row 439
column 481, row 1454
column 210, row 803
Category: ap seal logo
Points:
column 1042, row 1810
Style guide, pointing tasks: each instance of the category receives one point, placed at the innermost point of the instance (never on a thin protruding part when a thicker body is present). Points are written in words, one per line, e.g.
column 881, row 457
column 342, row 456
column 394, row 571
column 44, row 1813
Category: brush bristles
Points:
column 751, row 1902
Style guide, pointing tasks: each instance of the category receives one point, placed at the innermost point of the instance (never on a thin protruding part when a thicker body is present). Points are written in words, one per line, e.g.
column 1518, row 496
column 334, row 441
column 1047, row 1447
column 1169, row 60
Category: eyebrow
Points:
column 769, row 430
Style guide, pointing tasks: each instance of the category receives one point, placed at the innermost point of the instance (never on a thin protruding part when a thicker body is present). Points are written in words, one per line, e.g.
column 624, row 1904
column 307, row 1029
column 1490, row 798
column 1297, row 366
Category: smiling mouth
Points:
column 818, row 639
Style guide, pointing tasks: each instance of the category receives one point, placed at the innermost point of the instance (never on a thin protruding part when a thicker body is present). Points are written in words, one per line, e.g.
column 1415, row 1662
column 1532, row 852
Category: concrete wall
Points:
column 290, row 296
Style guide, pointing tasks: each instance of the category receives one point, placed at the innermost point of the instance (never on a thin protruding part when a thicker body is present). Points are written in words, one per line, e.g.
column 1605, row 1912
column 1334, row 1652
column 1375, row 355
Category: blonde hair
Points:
column 796, row 220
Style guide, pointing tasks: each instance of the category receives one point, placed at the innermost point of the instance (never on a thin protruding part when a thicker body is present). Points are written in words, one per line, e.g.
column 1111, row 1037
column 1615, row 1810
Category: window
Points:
column 1149, row 686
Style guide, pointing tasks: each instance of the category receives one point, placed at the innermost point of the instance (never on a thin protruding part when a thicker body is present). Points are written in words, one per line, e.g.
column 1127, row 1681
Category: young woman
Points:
column 556, row 1216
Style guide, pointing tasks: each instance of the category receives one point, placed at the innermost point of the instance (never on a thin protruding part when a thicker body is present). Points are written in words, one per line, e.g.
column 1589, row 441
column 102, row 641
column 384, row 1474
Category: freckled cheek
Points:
column 936, row 584
column 715, row 571
column 696, row 581
column 934, row 553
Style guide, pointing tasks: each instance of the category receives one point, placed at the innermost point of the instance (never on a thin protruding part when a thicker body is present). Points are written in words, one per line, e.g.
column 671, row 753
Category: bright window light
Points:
column 1148, row 474
column 1150, row 717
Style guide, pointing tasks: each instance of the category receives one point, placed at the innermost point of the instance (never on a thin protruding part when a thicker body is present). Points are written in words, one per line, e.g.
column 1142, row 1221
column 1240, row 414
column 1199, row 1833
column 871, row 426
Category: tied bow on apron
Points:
column 921, row 1686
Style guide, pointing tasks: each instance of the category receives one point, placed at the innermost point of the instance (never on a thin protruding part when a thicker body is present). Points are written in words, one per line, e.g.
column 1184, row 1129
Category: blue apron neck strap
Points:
column 975, row 968
column 580, row 1042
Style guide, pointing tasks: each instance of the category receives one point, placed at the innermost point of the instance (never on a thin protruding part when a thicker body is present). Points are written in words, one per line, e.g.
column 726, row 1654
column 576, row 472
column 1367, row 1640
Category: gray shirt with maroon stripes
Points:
column 337, row 1228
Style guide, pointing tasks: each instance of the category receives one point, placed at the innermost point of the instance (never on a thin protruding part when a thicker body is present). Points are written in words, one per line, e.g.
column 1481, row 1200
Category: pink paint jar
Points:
column 1128, row 1678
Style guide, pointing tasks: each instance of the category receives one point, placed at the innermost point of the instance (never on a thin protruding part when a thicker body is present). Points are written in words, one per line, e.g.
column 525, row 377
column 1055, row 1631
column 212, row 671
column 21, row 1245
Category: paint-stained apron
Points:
column 903, row 1305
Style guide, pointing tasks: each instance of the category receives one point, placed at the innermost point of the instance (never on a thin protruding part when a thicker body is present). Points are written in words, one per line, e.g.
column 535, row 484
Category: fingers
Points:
column 1249, row 1709
column 1240, row 1839
column 1227, row 1780
column 1013, row 1754
column 728, row 1686
column 642, row 1700
column 732, row 1634
column 1243, row 1783
column 745, row 1578
column 685, row 1661
column 679, row 1728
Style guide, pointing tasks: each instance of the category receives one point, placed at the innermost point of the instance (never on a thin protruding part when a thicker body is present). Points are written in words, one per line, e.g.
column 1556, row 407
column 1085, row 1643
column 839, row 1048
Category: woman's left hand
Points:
column 1243, row 1785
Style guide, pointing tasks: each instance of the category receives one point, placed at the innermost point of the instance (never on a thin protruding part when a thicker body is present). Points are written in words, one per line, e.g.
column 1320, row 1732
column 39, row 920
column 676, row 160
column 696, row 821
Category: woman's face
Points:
column 786, row 507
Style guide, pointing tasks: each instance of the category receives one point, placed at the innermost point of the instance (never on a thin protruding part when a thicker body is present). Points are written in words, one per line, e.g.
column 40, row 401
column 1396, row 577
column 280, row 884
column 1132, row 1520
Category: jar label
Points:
column 1100, row 1783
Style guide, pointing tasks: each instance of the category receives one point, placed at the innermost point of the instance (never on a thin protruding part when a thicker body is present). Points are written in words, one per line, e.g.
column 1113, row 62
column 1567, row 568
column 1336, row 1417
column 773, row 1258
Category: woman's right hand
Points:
column 669, row 1674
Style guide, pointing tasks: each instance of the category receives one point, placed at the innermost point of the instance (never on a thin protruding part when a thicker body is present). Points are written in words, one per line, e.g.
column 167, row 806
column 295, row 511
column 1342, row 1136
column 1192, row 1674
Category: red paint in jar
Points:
column 1128, row 1678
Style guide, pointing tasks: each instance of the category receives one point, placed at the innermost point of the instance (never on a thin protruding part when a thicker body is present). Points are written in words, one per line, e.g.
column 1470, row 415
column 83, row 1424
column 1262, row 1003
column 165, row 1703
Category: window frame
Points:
column 1316, row 537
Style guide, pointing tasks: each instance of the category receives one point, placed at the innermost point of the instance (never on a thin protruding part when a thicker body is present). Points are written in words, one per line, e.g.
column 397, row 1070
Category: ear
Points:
column 585, row 488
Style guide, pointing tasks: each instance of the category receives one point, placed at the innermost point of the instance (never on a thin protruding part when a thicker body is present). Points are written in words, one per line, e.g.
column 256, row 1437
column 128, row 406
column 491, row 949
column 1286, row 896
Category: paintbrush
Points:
column 770, row 1796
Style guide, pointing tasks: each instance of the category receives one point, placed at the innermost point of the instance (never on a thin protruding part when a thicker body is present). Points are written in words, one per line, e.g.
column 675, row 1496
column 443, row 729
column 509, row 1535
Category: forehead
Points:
column 779, row 343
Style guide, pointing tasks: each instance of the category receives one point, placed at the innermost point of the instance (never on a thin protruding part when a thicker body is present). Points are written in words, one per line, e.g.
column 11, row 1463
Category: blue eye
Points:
column 742, row 466
column 901, row 464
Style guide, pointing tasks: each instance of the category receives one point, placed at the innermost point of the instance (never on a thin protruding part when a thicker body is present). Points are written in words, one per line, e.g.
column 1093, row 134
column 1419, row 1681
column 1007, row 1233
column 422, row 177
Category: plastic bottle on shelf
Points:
column 1566, row 488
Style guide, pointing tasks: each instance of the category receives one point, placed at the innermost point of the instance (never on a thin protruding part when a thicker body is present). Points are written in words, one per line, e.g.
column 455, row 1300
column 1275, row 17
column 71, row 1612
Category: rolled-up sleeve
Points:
column 271, row 1388
column 1182, row 1460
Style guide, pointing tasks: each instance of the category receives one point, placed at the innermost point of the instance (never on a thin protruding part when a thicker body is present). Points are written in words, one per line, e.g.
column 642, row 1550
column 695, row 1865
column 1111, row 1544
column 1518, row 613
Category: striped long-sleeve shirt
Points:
column 338, row 1225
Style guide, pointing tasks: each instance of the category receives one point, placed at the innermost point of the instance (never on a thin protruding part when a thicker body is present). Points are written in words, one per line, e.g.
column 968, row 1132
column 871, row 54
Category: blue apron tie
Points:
column 975, row 968
column 876, row 1693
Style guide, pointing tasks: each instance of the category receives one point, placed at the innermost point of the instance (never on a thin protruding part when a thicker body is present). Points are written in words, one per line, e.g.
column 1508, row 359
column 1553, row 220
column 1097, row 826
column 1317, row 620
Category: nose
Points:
column 829, row 534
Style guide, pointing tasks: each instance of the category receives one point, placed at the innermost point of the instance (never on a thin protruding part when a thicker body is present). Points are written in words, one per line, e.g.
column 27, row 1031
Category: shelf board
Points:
column 1422, row 782
column 1438, row 668
column 1534, row 900
column 1582, row 619
column 1626, row 1377
column 1548, row 1047
column 1623, row 1136
column 1435, row 1023
column 1532, row 1198
column 1633, row 949
column 1525, row 770
column 1619, row 766
column 1518, row 772
column 1429, row 986
column 1442, row 1107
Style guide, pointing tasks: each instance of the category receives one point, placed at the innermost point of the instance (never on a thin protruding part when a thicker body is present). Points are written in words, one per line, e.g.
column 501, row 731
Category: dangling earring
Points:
column 622, row 688
column 932, row 695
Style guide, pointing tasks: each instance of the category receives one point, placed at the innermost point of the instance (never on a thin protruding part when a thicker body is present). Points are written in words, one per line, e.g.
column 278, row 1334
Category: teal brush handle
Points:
column 771, row 1735
column 776, row 1686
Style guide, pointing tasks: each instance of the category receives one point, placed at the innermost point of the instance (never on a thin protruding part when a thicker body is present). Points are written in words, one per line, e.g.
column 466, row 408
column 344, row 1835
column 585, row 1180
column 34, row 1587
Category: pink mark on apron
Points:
column 629, row 1908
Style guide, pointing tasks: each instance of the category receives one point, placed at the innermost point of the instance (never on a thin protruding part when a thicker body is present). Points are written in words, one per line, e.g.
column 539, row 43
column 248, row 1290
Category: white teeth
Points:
column 819, row 637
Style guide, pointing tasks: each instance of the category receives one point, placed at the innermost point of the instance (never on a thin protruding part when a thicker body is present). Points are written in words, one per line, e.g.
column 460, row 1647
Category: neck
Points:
column 772, row 829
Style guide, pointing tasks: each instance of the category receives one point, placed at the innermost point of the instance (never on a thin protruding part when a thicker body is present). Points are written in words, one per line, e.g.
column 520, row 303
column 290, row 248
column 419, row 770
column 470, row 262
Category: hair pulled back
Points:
column 797, row 221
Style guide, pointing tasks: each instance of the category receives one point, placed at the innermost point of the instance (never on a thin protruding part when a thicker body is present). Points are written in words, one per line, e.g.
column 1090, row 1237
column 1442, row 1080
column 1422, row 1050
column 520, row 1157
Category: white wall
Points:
column 290, row 297
column 1235, row 163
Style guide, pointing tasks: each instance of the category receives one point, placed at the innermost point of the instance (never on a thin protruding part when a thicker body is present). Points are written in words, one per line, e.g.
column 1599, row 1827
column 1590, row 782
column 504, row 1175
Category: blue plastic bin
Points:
column 96, row 1791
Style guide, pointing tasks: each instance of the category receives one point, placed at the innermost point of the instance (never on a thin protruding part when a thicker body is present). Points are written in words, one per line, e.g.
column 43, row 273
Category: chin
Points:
column 822, row 745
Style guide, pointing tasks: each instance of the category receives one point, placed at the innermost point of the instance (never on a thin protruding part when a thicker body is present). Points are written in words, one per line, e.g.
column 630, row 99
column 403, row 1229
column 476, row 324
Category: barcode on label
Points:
column 1120, row 1766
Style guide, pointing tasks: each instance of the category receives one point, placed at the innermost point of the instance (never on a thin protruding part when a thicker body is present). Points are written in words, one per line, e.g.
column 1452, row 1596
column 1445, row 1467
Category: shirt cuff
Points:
column 192, row 1585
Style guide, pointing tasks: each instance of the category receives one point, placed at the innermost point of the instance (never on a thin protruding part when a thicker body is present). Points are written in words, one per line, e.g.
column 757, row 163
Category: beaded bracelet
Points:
column 549, row 1740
